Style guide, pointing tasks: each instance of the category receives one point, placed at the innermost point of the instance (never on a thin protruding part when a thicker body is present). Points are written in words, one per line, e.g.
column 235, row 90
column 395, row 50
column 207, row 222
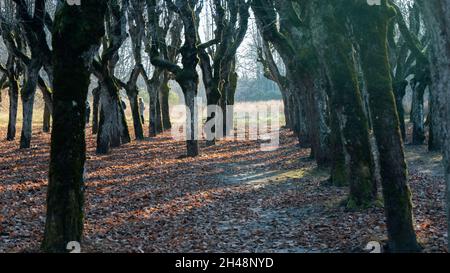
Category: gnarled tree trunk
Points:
column 78, row 31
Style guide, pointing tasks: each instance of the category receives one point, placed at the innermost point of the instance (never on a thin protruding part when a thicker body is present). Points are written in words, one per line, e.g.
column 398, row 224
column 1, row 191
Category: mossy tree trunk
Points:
column 371, row 25
column 340, row 173
column 78, row 31
column 350, row 133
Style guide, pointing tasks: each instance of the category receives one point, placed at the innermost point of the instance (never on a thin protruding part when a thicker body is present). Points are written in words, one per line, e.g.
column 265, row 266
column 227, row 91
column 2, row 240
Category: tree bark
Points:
column 13, row 103
column 137, row 122
column 352, row 160
column 399, row 93
column 164, row 95
column 113, row 130
column 27, row 95
column 370, row 24
column 95, row 109
column 78, row 31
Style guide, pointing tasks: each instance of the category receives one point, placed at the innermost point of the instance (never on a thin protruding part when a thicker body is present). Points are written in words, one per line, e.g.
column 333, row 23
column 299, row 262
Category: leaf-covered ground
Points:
column 233, row 198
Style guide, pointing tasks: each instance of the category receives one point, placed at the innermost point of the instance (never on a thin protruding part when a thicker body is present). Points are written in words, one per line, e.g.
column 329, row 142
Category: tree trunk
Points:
column 399, row 93
column 287, row 117
column 339, row 166
column 319, row 130
column 28, row 92
column 164, row 95
column 152, row 93
column 189, row 91
column 435, row 119
column 417, row 114
column 113, row 130
column 349, row 123
column 293, row 113
column 65, row 197
column 158, row 125
column 436, row 17
column 46, row 120
column 95, row 109
column 137, row 122
column 13, row 102
column 370, row 23
column 300, row 114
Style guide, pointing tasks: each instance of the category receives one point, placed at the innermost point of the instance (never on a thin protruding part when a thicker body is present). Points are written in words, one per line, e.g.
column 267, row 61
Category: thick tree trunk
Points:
column 435, row 139
column 349, row 123
column 28, row 92
column 65, row 197
column 113, row 130
column 152, row 93
column 230, row 78
column 293, row 113
column 417, row 114
column 300, row 115
column 165, row 111
column 319, row 132
column 13, row 103
column 287, row 117
column 339, row 165
column 370, row 23
column 190, row 93
column 95, row 109
column 158, row 124
column 137, row 122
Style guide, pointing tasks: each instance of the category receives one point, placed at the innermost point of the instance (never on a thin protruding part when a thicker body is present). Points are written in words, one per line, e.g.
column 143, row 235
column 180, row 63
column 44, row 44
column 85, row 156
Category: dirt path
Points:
column 234, row 198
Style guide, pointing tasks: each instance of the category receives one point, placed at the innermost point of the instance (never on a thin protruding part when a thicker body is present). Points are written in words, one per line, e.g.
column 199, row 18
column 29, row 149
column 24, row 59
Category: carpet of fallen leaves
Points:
column 233, row 198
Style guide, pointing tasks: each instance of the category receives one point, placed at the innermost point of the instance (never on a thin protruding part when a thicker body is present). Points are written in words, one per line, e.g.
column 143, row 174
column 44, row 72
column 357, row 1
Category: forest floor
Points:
column 233, row 198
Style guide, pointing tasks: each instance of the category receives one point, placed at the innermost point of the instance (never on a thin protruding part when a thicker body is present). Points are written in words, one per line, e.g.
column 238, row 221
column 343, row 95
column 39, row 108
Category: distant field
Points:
column 241, row 107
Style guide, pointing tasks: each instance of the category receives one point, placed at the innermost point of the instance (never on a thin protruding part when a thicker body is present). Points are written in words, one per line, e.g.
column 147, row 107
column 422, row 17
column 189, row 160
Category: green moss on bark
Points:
column 371, row 26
